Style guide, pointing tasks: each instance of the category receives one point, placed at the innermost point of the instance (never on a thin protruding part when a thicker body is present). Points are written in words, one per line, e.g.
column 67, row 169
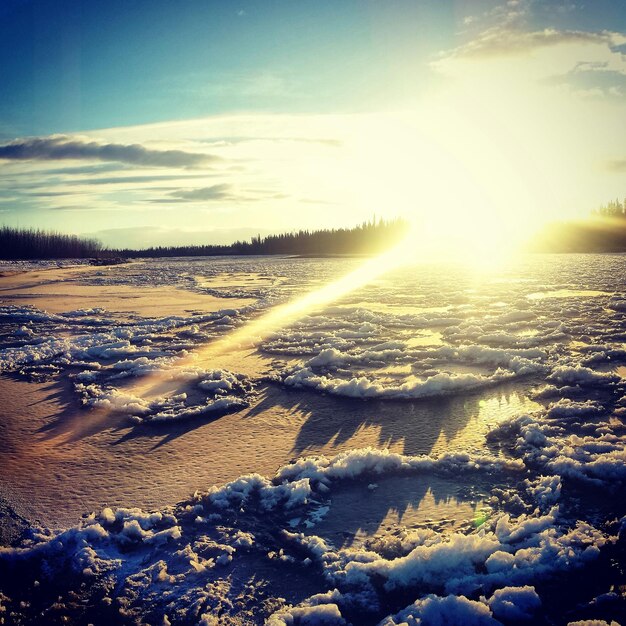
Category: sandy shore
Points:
column 57, row 291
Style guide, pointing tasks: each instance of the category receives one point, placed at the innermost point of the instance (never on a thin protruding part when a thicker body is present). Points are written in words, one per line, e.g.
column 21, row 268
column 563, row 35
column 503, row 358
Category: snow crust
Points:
column 249, row 551
column 178, row 561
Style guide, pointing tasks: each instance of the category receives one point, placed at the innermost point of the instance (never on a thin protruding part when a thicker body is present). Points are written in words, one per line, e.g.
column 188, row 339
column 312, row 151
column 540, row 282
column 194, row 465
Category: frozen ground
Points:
column 442, row 446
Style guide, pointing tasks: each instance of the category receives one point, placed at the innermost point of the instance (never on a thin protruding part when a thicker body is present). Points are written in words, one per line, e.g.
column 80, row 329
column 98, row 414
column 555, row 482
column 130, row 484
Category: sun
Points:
column 475, row 181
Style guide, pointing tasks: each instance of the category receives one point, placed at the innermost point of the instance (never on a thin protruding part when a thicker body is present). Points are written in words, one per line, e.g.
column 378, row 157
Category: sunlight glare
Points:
column 455, row 173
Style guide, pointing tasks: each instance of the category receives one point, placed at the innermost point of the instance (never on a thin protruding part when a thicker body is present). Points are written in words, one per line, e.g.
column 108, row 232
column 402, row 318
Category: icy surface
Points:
column 491, row 492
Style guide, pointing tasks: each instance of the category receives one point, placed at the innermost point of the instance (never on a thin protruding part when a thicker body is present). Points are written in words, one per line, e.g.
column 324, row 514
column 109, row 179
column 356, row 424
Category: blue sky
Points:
column 300, row 112
column 84, row 65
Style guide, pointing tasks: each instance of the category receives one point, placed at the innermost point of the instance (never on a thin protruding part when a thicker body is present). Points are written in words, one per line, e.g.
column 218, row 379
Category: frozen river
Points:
column 441, row 438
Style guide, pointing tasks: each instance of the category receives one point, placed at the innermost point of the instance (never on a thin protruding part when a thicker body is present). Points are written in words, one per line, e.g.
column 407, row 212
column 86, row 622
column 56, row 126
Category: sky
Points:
column 160, row 122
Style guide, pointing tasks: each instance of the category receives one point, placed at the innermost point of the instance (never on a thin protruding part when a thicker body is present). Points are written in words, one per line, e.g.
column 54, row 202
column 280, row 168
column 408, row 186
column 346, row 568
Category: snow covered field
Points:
column 441, row 446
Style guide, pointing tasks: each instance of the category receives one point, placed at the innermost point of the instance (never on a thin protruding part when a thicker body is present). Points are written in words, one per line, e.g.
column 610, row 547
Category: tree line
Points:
column 581, row 236
column 613, row 208
column 31, row 243
column 369, row 237
column 605, row 232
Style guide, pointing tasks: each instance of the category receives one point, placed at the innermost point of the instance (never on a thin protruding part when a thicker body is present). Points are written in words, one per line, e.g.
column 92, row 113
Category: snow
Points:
column 579, row 375
column 437, row 611
column 504, row 557
column 544, row 486
column 362, row 387
column 514, row 603
column 317, row 615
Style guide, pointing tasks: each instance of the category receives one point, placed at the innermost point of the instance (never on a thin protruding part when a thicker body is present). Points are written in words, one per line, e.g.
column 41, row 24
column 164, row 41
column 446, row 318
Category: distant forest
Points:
column 29, row 243
column 614, row 208
column 367, row 238
column 604, row 232
column 597, row 235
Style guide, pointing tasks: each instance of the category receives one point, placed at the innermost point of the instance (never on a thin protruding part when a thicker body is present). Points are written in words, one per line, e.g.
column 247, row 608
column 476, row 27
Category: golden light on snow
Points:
column 282, row 315
column 474, row 174
column 407, row 251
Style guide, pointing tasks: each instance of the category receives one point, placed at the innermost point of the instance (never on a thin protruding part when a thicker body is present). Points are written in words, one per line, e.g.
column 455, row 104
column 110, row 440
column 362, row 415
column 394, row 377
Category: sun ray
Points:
column 281, row 315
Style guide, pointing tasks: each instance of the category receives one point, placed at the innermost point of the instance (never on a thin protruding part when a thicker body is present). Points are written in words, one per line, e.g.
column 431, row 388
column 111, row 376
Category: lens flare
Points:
column 278, row 317
column 471, row 243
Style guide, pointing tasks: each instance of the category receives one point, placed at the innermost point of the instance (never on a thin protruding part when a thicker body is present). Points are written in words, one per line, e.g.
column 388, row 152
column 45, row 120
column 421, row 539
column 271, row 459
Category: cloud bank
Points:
column 59, row 147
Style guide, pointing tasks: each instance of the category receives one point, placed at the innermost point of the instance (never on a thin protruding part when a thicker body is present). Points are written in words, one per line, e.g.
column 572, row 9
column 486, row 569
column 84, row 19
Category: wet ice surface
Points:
column 510, row 383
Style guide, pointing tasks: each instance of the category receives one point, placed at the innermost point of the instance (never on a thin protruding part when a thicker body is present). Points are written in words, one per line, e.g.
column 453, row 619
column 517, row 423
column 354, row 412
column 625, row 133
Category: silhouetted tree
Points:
column 368, row 237
column 613, row 208
column 30, row 243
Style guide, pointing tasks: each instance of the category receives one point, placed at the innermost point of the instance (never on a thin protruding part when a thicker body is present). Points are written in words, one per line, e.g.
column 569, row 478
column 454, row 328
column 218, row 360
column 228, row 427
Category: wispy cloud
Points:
column 59, row 147
column 501, row 41
column 50, row 194
column 236, row 139
column 593, row 81
column 510, row 30
column 129, row 180
column 78, row 170
column 83, row 209
column 214, row 192
column 586, row 63
column 223, row 192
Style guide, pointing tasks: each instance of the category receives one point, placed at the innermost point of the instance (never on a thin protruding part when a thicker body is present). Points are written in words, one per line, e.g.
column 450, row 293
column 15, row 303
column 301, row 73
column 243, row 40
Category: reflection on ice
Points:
column 492, row 410
column 568, row 293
